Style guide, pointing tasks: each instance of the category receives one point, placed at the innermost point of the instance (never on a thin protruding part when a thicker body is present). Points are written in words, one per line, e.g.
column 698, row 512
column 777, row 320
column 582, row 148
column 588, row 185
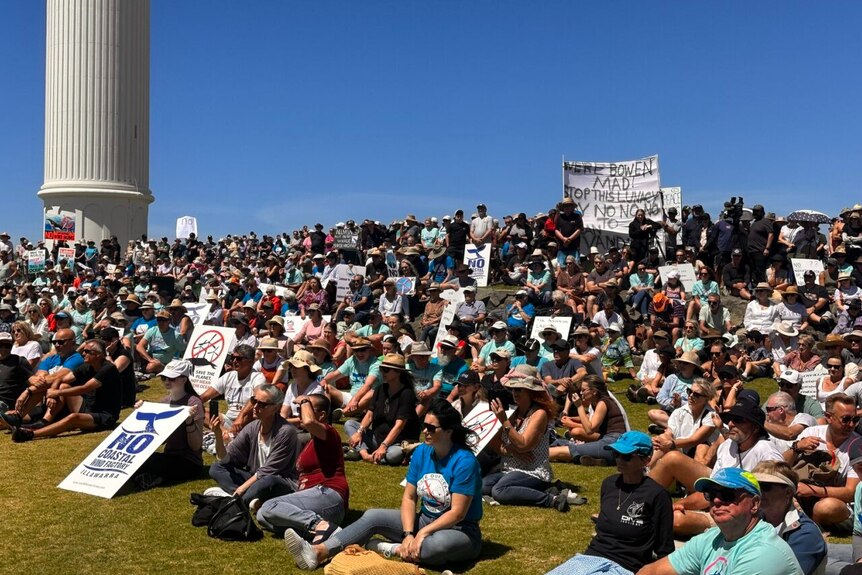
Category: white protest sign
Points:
column 207, row 352
column 687, row 275
column 197, row 312
column 445, row 319
column 293, row 324
column 810, row 379
column 111, row 268
column 802, row 265
column 479, row 260
column 671, row 198
column 452, row 296
column 104, row 471
column 561, row 324
column 280, row 291
column 482, row 421
column 186, row 225
column 609, row 194
column 341, row 275
column 67, row 254
column 36, row 261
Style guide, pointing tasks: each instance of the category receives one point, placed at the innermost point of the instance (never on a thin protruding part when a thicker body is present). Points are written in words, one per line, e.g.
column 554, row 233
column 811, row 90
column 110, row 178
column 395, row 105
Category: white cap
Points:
column 790, row 376
column 177, row 368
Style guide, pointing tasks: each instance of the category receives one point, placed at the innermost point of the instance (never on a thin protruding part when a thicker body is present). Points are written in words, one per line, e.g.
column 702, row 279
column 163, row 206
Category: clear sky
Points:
column 271, row 114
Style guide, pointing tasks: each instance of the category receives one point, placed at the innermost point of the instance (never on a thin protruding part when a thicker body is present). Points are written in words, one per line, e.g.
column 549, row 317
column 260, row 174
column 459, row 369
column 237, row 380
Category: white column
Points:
column 97, row 74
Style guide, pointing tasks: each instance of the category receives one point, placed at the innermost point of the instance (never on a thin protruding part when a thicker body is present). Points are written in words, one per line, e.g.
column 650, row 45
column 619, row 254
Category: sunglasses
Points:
column 385, row 369
column 724, row 495
column 6, row 345
column 771, row 409
column 262, row 404
column 89, row 352
column 833, row 366
column 846, row 419
column 696, row 395
column 430, row 427
column 736, row 420
column 60, row 341
column 624, row 456
column 236, row 358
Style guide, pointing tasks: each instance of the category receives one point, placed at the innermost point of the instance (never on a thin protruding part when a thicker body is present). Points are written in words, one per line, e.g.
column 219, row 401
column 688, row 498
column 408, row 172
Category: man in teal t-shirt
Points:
column 740, row 544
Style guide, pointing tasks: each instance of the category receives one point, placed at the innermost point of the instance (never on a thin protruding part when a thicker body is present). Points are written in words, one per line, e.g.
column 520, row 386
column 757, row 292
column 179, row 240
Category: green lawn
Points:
column 56, row 531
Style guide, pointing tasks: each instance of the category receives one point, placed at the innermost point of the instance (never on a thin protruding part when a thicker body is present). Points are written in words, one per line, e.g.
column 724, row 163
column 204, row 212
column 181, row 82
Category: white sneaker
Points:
column 301, row 550
column 385, row 548
column 254, row 505
column 574, row 499
column 217, row 492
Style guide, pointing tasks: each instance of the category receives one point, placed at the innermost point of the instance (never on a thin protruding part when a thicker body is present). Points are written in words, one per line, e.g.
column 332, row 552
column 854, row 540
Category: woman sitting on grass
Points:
column 635, row 522
column 181, row 458
column 689, row 428
column 526, row 473
column 599, row 422
column 444, row 479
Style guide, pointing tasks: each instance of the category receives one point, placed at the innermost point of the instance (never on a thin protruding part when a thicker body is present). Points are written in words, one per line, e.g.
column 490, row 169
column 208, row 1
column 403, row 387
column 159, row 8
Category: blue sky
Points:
column 268, row 115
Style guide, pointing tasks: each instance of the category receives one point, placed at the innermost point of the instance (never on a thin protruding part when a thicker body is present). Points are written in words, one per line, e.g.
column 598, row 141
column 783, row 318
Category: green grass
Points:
column 57, row 531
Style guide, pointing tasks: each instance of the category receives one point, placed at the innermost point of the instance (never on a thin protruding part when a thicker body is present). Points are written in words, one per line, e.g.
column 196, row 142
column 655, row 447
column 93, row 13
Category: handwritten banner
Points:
column 810, row 379
column 687, row 275
column 802, row 265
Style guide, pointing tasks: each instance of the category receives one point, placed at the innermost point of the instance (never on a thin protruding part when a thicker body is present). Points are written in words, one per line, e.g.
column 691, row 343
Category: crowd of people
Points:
column 756, row 480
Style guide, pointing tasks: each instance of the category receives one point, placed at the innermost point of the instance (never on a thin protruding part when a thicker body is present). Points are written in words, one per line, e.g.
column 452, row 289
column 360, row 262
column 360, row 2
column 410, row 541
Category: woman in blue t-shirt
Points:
column 444, row 479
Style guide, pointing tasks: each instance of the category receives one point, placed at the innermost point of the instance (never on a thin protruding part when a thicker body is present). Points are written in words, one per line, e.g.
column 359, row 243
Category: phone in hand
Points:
column 213, row 408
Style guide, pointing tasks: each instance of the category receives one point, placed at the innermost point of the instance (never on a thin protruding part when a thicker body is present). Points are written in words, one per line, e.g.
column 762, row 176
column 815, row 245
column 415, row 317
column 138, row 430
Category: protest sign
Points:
column 451, row 295
column 280, row 291
column 479, row 260
column 207, row 352
column 810, row 379
column 67, row 254
column 104, row 471
column 801, row 265
column 197, row 312
column 59, row 226
column 35, row 261
column 445, row 319
column 687, row 275
column 344, row 239
column 609, row 194
column 186, row 226
column 112, row 268
column 341, row 275
column 561, row 324
column 482, row 421
column 405, row 286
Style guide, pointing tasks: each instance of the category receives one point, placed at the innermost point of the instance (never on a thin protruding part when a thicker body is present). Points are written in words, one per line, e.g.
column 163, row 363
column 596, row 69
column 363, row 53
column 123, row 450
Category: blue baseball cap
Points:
column 632, row 442
column 730, row 477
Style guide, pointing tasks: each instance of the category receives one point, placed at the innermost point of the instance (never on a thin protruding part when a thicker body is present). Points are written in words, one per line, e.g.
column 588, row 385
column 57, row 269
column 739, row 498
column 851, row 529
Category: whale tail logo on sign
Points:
column 151, row 419
column 478, row 258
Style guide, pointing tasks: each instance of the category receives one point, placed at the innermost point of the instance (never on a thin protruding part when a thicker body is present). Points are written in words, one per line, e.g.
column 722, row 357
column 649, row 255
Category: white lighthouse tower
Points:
column 97, row 116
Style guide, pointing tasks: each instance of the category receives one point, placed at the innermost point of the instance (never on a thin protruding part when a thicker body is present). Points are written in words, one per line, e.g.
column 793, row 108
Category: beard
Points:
column 443, row 360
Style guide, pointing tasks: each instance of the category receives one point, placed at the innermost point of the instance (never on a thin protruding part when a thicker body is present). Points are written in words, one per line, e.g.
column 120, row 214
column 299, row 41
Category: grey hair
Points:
column 783, row 399
column 276, row 396
column 558, row 296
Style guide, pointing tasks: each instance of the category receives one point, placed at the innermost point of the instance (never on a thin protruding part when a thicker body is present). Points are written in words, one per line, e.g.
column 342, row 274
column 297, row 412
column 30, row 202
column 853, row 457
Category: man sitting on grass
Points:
column 91, row 393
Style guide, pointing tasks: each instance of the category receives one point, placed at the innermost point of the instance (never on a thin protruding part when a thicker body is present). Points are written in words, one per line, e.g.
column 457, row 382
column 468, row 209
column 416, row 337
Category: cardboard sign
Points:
column 344, row 239
column 341, row 275
column 687, row 275
column 479, row 260
column 60, row 226
column 445, row 319
column 67, row 254
column 104, row 471
column 207, row 351
column 35, row 261
column 197, row 312
column 802, row 265
column 810, row 379
column 186, row 226
column 561, row 324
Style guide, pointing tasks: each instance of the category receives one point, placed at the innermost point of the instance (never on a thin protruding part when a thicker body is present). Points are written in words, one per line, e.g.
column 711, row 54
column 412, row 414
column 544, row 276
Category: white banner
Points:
column 561, row 324
column 687, row 275
column 801, row 265
column 198, row 312
column 445, row 319
column 479, row 260
column 104, row 471
column 280, row 291
column 609, row 194
column 810, row 379
column 207, row 351
column 186, row 225
column 36, row 261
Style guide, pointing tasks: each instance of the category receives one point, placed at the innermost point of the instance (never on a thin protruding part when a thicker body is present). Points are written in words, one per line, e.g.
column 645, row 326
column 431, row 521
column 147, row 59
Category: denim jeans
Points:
column 301, row 510
column 460, row 543
column 590, row 449
column 265, row 488
column 640, row 301
column 563, row 252
column 394, row 453
column 517, row 488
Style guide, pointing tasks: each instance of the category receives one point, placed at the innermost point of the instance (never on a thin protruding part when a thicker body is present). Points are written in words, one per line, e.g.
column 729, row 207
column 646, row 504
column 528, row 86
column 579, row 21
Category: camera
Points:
column 733, row 209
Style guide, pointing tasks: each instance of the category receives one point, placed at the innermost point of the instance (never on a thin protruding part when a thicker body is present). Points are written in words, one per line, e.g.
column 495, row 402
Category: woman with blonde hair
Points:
column 26, row 343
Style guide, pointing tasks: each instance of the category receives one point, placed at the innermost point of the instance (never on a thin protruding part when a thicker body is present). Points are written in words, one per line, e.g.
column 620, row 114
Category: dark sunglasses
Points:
column 696, row 395
column 736, row 420
column 847, row 419
column 254, row 401
column 385, row 369
column 624, row 456
column 236, row 358
column 60, row 341
column 833, row 366
column 771, row 409
column 430, row 427
column 724, row 495
column 89, row 352
column 6, row 344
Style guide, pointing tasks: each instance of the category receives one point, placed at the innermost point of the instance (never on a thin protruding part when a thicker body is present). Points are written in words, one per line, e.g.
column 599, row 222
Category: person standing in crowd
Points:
column 568, row 227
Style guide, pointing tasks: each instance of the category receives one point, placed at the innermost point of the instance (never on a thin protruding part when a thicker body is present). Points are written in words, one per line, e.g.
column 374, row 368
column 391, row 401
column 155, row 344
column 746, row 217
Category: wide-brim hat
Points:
column 163, row 314
column 133, row 298
column 449, row 341
column 393, row 361
column 524, row 382
column 435, row 253
column 147, row 305
column 550, row 330
column 360, row 343
column 790, row 290
column 276, row 319
column 691, row 358
column 419, row 348
column 785, row 328
column 177, row 304
column 212, row 296
column 582, row 330
column 763, row 286
column 853, row 334
column 832, row 340
column 321, row 343
column 268, row 343
column 303, row 358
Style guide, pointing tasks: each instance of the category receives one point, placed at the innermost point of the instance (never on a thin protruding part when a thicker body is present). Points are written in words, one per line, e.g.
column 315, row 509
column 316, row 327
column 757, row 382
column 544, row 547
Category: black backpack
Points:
column 232, row 521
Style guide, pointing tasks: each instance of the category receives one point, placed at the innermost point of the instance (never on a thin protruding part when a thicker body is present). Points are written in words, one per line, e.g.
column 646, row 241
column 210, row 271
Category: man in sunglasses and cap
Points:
column 741, row 542
column 746, row 444
column 828, row 504
column 236, row 386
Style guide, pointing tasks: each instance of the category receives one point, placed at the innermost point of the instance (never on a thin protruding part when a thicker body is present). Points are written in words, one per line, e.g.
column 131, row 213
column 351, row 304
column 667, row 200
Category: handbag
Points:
column 355, row 560
column 207, row 505
column 233, row 522
column 818, row 468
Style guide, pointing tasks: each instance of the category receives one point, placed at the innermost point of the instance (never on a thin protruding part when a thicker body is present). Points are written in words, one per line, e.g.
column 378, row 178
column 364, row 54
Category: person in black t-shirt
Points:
column 91, row 392
column 14, row 373
column 456, row 237
column 815, row 298
column 121, row 357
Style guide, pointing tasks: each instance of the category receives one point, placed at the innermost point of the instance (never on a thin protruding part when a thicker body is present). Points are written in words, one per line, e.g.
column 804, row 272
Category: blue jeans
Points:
column 517, row 488
column 302, row 510
column 394, row 453
column 229, row 478
column 640, row 301
column 460, row 543
column 592, row 449
column 563, row 252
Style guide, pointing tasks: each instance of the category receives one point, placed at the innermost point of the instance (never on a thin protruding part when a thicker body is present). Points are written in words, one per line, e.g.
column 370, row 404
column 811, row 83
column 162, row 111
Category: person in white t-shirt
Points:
column 783, row 422
column 482, row 226
column 236, row 387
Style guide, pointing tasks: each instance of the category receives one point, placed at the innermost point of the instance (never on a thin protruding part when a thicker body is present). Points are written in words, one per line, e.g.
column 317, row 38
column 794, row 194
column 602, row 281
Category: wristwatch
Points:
column 406, row 534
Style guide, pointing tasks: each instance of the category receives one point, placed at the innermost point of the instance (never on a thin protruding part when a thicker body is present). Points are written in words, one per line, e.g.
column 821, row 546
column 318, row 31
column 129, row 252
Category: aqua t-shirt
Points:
column 436, row 481
column 358, row 372
column 759, row 551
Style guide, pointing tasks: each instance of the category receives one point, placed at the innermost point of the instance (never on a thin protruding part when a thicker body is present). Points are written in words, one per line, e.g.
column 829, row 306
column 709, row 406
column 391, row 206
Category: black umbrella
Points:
column 808, row 216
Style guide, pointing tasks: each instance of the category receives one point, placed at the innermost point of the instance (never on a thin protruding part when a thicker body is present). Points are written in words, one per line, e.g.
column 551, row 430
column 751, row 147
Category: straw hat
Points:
column 321, row 343
column 689, row 357
column 790, row 290
column 419, row 348
column 832, row 340
column 360, row 343
column 177, row 304
column 277, row 320
column 303, row 358
column 393, row 361
column 268, row 343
